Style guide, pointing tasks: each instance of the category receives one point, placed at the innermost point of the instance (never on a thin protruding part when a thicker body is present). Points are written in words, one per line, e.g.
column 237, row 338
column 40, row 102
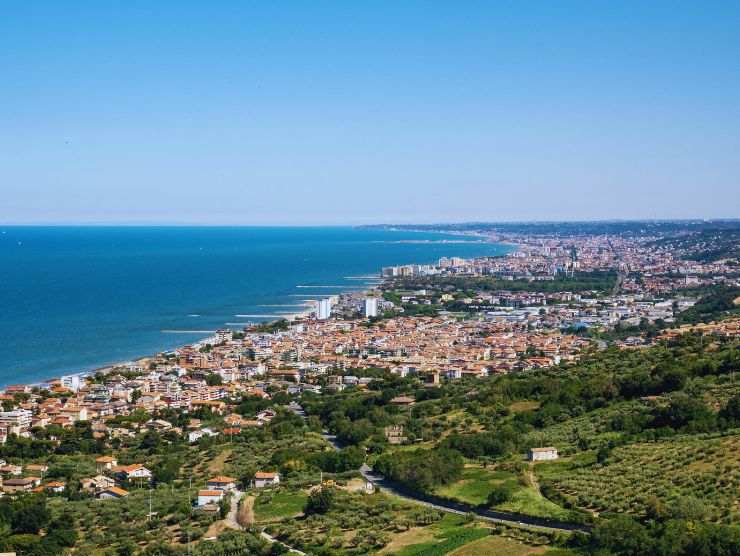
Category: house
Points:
column 403, row 401
column 214, row 405
column 20, row 485
column 206, row 497
column 37, row 468
column 221, row 482
column 159, row 425
column 543, row 454
column 134, row 471
column 105, row 463
column 10, row 469
column 99, row 482
column 264, row 479
column 55, row 486
column 394, row 434
column 112, row 493
column 194, row 436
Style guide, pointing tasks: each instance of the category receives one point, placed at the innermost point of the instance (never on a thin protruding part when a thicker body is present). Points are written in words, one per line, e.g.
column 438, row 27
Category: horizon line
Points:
column 165, row 224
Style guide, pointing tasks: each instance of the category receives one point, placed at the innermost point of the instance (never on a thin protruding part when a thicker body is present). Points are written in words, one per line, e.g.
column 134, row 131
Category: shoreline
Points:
column 142, row 360
column 372, row 281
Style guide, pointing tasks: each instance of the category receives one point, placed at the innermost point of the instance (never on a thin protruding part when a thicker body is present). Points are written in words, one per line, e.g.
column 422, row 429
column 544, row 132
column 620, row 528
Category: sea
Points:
column 73, row 299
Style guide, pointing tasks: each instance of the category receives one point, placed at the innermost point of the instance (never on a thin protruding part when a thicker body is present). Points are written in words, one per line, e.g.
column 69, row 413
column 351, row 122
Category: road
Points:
column 270, row 538
column 230, row 518
column 380, row 482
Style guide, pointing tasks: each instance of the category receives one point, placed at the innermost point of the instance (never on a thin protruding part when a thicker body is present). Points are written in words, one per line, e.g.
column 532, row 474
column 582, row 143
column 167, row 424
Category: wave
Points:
column 257, row 316
column 286, row 305
column 187, row 331
column 331, row 287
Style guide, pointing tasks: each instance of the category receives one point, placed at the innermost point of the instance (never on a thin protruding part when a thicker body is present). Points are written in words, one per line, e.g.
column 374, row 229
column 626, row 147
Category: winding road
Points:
column 442, row 504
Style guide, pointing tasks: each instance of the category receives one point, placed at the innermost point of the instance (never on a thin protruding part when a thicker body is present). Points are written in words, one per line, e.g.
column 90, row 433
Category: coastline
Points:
column 350, row 279
column 143, row 360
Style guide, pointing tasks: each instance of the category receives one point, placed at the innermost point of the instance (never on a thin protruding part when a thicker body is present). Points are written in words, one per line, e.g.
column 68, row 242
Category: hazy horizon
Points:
column 384, row 113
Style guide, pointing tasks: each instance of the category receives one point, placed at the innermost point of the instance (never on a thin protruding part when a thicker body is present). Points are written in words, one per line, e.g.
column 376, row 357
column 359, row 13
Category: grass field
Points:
column 273, row 506
column 497, row 546
column 475, row 485
column 450, row 533
column 477, row 482
column 526, row 500
column 524, row 405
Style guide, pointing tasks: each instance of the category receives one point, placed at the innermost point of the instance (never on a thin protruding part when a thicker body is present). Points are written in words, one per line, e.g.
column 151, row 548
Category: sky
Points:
column 317, row 112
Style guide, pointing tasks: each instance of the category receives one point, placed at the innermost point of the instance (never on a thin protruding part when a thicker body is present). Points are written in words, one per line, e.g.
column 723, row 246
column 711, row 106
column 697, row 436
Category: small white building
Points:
column 130, row 472
column 112, row 493
column 264, row 479
column 221, row 482
column 543, row 454
column 206, row 497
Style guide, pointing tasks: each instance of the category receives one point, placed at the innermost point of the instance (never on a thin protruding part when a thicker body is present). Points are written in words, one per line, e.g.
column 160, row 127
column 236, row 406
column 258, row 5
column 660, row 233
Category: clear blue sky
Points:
column 357, row 112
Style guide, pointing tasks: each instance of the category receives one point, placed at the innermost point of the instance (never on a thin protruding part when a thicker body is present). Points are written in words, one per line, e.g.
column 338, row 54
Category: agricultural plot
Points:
column 118, row 523
column 281, row 504
column 455, row 535
column 478, row 482
column 356, row 524
column 586, row 431
column 705, row 467
column 498, row 546
column 718, row 390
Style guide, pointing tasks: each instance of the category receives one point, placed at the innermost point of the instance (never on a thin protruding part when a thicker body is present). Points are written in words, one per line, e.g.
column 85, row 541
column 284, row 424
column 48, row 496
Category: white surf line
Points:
column 260, row 316
column 188, row 331
column 286, row 305
column 331, row 287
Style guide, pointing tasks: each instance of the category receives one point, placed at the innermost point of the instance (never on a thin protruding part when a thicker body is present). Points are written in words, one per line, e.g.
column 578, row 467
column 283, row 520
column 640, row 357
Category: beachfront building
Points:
column 224, row 335
column 17, row 421
column 72, row 382
column 371, row 307
column 323, row 310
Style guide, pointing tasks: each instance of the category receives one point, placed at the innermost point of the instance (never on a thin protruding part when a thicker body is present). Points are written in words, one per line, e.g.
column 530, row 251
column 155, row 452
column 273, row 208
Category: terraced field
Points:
column 706, row 467
column 587, row 431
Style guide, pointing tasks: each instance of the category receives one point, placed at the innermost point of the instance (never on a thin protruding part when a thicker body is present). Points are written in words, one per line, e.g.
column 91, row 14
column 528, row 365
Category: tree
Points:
column 499, row 495
column 622, row 536
column 320, row 501
column 214, row 379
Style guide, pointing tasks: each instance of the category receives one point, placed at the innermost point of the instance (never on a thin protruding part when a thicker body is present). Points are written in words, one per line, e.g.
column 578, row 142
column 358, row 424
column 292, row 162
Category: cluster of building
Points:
column 504, row 331
column 350, row 306
column 647, row 266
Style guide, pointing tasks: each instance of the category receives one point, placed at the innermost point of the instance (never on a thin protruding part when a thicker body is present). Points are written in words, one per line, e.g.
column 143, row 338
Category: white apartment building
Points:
column 323, row 310
column 371, row 307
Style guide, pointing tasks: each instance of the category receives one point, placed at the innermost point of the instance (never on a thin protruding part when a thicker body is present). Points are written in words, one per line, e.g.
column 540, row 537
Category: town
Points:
column 546, row 304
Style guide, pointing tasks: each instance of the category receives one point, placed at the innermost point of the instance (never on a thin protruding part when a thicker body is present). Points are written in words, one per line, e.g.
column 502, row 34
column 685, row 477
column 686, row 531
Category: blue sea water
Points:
column 76, row 298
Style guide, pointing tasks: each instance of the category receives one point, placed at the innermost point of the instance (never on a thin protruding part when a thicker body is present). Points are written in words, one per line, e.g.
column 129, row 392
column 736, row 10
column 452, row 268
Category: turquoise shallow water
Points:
column 75, row 298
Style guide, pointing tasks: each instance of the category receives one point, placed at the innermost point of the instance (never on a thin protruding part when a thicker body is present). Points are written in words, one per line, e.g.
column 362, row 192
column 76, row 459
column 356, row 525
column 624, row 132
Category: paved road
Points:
column 379, row 481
